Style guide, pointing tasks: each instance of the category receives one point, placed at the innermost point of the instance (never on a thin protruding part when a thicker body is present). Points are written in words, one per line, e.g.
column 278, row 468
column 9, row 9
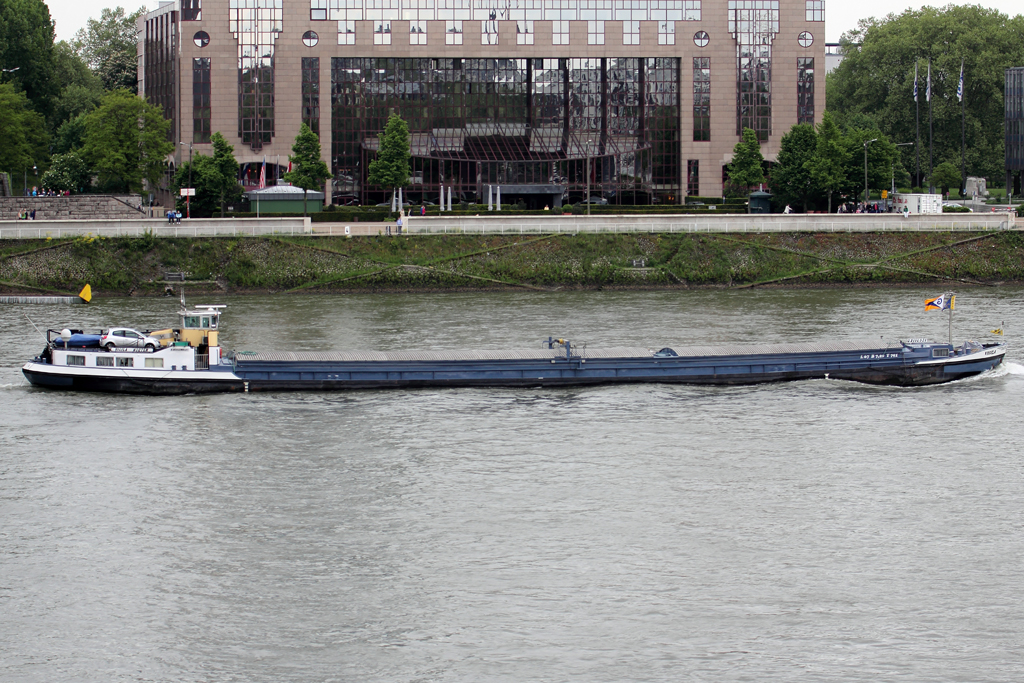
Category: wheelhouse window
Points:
column 125, row 362
column 104, row 362
column 154, row 362
column 76, row 360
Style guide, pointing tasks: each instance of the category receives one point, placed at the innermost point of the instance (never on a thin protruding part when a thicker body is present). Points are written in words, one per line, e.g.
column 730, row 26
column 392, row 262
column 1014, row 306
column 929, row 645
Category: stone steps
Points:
column 74, row 207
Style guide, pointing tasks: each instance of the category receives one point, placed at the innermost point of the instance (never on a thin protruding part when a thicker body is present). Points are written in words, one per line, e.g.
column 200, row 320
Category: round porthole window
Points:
column 701, row 39
column 201, row 39
column 805, row 39
column 310, row 38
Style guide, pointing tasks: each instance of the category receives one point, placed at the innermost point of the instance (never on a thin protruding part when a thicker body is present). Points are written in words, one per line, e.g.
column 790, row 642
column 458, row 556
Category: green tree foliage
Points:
column 228, row 189
column 391, row 167
column 945, row 176
column 746, row 168
column 881, row 155
column 206, row 179
column 308, row 170
column 126, row 142
column 108, row 46
column 877, row 77
column 68, row 172
column 22, row 135
column 70, row 136
column 791, row 180
column 26, row 44
column 80, row 89
column 828, row 165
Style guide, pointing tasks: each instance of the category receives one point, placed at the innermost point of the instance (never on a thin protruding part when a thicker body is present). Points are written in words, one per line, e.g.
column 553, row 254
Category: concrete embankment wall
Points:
column 197, row 227
column 74, row 207
column 505, row 225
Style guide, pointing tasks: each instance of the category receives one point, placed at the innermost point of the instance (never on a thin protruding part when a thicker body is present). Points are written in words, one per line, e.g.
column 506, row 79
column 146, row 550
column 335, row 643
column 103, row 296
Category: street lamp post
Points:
column 866, row 196
column 24, row 181
column 188, row 196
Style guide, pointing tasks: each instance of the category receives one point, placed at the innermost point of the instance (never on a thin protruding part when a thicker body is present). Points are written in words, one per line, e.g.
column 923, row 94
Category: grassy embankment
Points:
column 123, row 266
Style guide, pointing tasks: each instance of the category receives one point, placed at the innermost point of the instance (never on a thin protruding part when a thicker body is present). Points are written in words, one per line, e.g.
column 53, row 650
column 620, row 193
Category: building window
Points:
column 666, row 33
column 814, row 10
column 310, row 39
column 256, row 25
column 201, row 99
column 524, row 33
column 311, row 93
column 382, row 33
column 104, row 362
column 76, row 360
column 417, row 33
column 693, row 177
column 201, row 39
column 488, row 32
column 125, row 362
column 691, row 10
column 805, row 39
column 701, row 39
column 560, row 32
column 191, row 10
column 805, row 90
column 702, row 99
column 453, row 33
column 318, row 10
column 754, row 25
column 595, row 33
column 631, row 33
column 346, row 33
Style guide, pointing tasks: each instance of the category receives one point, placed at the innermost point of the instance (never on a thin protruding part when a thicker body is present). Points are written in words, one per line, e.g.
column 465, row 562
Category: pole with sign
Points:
column 188, row 193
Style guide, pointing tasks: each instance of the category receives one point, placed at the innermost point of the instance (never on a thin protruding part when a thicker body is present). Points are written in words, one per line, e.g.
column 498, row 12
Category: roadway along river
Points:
column 801, row 532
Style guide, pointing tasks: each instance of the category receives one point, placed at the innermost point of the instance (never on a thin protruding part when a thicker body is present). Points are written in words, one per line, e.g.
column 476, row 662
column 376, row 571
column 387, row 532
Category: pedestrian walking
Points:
column 423, row 209
column 787, row 210
column 399, row 223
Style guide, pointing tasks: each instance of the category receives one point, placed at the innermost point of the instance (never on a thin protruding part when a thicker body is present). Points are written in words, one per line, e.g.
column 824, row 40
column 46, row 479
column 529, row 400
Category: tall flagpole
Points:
column 963, row 134
column 928, row 96
column 917, row 147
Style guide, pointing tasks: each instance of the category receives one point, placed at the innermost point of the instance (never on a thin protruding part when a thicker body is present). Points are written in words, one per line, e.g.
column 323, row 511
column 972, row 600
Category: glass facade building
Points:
column 1013, row 99
column 546, row 98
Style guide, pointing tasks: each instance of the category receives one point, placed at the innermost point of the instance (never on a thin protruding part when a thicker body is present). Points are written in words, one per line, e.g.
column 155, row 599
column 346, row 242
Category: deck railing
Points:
column 202, row 362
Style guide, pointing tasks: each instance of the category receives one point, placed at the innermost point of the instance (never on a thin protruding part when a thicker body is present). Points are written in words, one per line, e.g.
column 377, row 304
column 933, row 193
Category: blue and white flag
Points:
column 940, row 303
column 928, row 83
column 915, row 82
column 960, row 88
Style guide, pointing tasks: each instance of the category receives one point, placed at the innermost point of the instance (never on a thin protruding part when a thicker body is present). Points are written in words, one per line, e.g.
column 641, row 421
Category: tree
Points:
column 827, row 166
column 227, row 171
column 26, row 44
column 68, row 172
column 945, row 176
column 206, row 179
column 791, row 181
column 22, row 136
column 126, row 142
column 391, row 167
column 746, row 167
column 80, row 89
column 309, row 170
column 70, row 136
column 877, row 77
column 108, row 46
column 881, row 159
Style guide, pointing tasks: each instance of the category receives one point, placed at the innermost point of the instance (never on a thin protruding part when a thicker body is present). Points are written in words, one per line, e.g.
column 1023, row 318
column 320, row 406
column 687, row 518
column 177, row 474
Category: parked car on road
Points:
column 123, row 338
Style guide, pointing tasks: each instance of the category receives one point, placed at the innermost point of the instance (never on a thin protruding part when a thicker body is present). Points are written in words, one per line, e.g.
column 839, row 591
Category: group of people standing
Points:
column 27, row 215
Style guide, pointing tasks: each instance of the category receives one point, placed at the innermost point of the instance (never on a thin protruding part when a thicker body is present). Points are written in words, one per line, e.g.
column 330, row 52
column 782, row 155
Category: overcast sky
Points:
column 840, row 16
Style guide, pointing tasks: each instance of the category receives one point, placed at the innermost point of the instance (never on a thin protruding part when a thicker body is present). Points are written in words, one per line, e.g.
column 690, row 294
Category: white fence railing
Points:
column 206, row 227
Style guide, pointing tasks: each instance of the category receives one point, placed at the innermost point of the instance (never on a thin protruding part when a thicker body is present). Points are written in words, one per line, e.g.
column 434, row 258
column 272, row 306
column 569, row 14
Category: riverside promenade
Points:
column 511, row 225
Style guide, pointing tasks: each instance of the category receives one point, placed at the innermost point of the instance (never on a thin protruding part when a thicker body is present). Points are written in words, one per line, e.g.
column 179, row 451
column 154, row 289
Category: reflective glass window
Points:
column 666, row 33
column 310, row 39
column 256, row 24
column 452, row 32
column 701, row 98
column 754, row 25
column 805, row 39
column 595, row 33
column 382, row 33
column 814, row 10
column 191, row 10
column 701, row 39
column 201, row 112
column 693, row 177
column 631, row 33
column 560, row 32
column 805, row 90
column 346, row 33
column 318, row 10
column 201, row 39
column 488, row 32
column 417, row 33
column 311, row 93
column 524, row 33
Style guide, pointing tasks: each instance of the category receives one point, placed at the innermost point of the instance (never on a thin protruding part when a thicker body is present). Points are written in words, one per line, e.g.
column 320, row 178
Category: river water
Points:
column 811, row 531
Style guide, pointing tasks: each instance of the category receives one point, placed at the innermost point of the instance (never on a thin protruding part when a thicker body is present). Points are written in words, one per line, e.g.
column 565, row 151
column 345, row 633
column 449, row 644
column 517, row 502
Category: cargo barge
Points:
column 189, row 359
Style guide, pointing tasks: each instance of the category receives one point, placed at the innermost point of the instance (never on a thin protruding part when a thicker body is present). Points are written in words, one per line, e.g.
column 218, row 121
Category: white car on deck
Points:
column 125, row 338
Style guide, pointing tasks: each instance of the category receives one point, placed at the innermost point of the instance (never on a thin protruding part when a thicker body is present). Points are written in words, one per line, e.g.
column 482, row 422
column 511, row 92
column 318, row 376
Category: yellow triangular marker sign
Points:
column 86, row 294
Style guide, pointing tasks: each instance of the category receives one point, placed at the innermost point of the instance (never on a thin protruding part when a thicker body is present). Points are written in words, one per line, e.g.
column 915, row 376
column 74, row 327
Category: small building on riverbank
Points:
column 285, row 199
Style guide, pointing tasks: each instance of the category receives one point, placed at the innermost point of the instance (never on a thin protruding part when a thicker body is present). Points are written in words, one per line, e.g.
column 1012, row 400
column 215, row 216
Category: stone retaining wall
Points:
column 74, row 207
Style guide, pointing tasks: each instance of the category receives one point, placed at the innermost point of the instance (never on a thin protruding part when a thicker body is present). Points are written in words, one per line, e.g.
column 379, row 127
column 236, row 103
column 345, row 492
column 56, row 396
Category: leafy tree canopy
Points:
column 746, row 170
column 876, row 77
column 945, row 176
column 26, row 44
column 791, row 181
column 828, row 165
column 22, row 134
column 80, row 90
column 228, row 189
column 126, row 142
column 309, row 171
column 70, row 136
column 391, row 167
column 108, row 46
column 68, row 172
column 206, row 179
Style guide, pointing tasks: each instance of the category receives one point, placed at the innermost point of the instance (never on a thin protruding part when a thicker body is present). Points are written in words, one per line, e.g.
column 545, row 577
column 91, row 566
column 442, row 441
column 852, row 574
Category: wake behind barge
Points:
column 190, row 360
